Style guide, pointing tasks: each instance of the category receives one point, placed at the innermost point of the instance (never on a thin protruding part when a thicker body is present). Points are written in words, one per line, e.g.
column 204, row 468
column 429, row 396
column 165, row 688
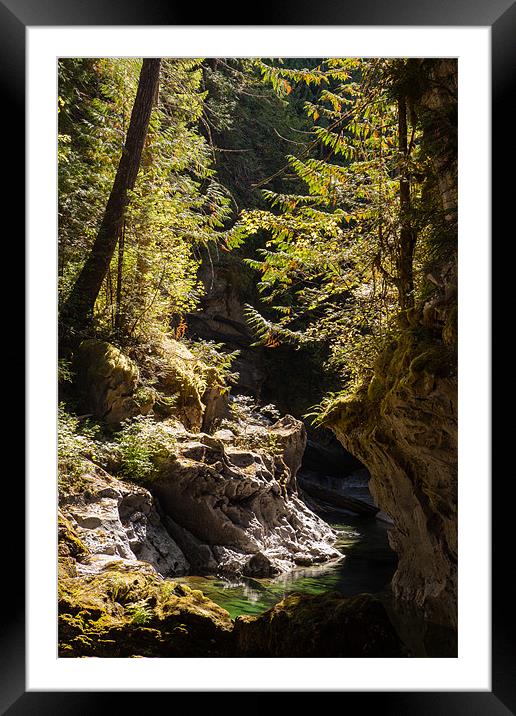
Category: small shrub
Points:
column 217, row 360
column 76, row 443
column 64, row 371
column 142, row 444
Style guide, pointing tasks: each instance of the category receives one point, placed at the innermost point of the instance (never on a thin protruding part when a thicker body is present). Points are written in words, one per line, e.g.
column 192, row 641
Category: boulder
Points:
column 181, row 379
column 290, row 436
column 107, row 381
column 115, row 518
column 216, row 402
column 226, row 503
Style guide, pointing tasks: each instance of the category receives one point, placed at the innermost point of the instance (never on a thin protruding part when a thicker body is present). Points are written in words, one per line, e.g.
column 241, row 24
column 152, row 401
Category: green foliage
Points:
column 217, row 360
column 271, row 334
column 140, row 612
column 142, row 446
column 250, row 127
column 76, row 444
column 320, row 411
column 310, row 152
column 332, row 268
column 176, row 204
column 65, row 373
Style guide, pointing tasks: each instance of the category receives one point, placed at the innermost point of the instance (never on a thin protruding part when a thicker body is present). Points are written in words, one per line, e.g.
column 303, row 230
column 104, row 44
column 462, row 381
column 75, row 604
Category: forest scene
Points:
column 257, row 376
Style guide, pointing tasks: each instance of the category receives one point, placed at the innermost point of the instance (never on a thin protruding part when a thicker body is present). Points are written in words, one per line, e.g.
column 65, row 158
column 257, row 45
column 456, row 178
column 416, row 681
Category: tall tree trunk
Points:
column 77, row 312
column 119, row 278
column 405, row 278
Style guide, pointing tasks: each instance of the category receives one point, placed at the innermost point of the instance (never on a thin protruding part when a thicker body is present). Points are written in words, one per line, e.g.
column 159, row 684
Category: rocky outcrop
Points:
column 107, row 380
column 125, row 609
column 213, row 504
column 110, row 606
column 115, row 518
column 181, row 381
column 409, row 446
column 328, row 625
column 289, row 435
column 184, row 387
column 233, row 508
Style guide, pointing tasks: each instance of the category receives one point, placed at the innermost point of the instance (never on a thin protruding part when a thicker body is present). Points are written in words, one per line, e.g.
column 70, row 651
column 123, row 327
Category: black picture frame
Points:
column 500, row 15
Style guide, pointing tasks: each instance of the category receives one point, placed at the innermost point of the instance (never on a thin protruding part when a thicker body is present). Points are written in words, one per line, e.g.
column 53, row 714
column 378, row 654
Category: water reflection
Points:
column 367, row 566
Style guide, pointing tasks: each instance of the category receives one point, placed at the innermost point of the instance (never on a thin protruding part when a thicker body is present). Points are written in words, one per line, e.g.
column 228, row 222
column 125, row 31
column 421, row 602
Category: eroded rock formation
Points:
column 119, row 519
column 233, row 508
column 107, row 380
column 408, row 440
column 114, row 607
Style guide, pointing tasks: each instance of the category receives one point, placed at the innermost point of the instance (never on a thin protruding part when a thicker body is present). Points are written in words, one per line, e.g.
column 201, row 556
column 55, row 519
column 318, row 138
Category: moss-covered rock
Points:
column 69, row 542
column 128, row 610
column 182, row 384
column 107, row 381
column 327, row 625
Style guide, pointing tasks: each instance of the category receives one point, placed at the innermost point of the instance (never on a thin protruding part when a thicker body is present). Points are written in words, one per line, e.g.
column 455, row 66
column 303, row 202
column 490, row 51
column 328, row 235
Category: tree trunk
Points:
column 119, row 278
column 77, row 312
column 405, row 278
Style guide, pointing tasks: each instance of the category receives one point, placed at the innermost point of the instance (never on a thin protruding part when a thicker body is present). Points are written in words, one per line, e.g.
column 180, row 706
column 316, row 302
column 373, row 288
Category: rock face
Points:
column 107, row 380
column 328, row 625
column 290, row 436
column 409, row 445
column 115, row 518
column 188, row 389
column 125, row 610
column 114, row 607
column 232, row 508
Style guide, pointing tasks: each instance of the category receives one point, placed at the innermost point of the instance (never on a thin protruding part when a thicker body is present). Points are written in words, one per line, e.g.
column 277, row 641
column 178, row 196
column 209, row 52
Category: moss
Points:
column 376, row 389
column 450, row 329
column 183, row 381
column 101, row 359
column 106, row 379
column 69, row 542
column 434, row 361
column 129, row 611
column 330, row 624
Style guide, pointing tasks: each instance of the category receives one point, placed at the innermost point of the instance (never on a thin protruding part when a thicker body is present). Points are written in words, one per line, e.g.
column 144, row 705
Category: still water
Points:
column 367, row 566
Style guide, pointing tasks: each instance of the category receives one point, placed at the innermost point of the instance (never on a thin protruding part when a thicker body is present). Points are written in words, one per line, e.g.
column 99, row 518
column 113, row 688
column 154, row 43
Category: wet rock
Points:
column 260, row 566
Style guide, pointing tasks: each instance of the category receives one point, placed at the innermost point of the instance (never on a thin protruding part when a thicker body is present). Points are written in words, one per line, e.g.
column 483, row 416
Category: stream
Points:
column 367, row 566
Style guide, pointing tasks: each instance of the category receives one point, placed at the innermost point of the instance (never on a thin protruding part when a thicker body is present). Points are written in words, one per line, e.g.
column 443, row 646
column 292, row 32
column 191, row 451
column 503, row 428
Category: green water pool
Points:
column 367, row 566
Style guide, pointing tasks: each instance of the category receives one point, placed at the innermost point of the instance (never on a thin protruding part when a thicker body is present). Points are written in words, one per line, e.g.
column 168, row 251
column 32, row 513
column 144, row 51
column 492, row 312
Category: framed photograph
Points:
column 258, row 321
